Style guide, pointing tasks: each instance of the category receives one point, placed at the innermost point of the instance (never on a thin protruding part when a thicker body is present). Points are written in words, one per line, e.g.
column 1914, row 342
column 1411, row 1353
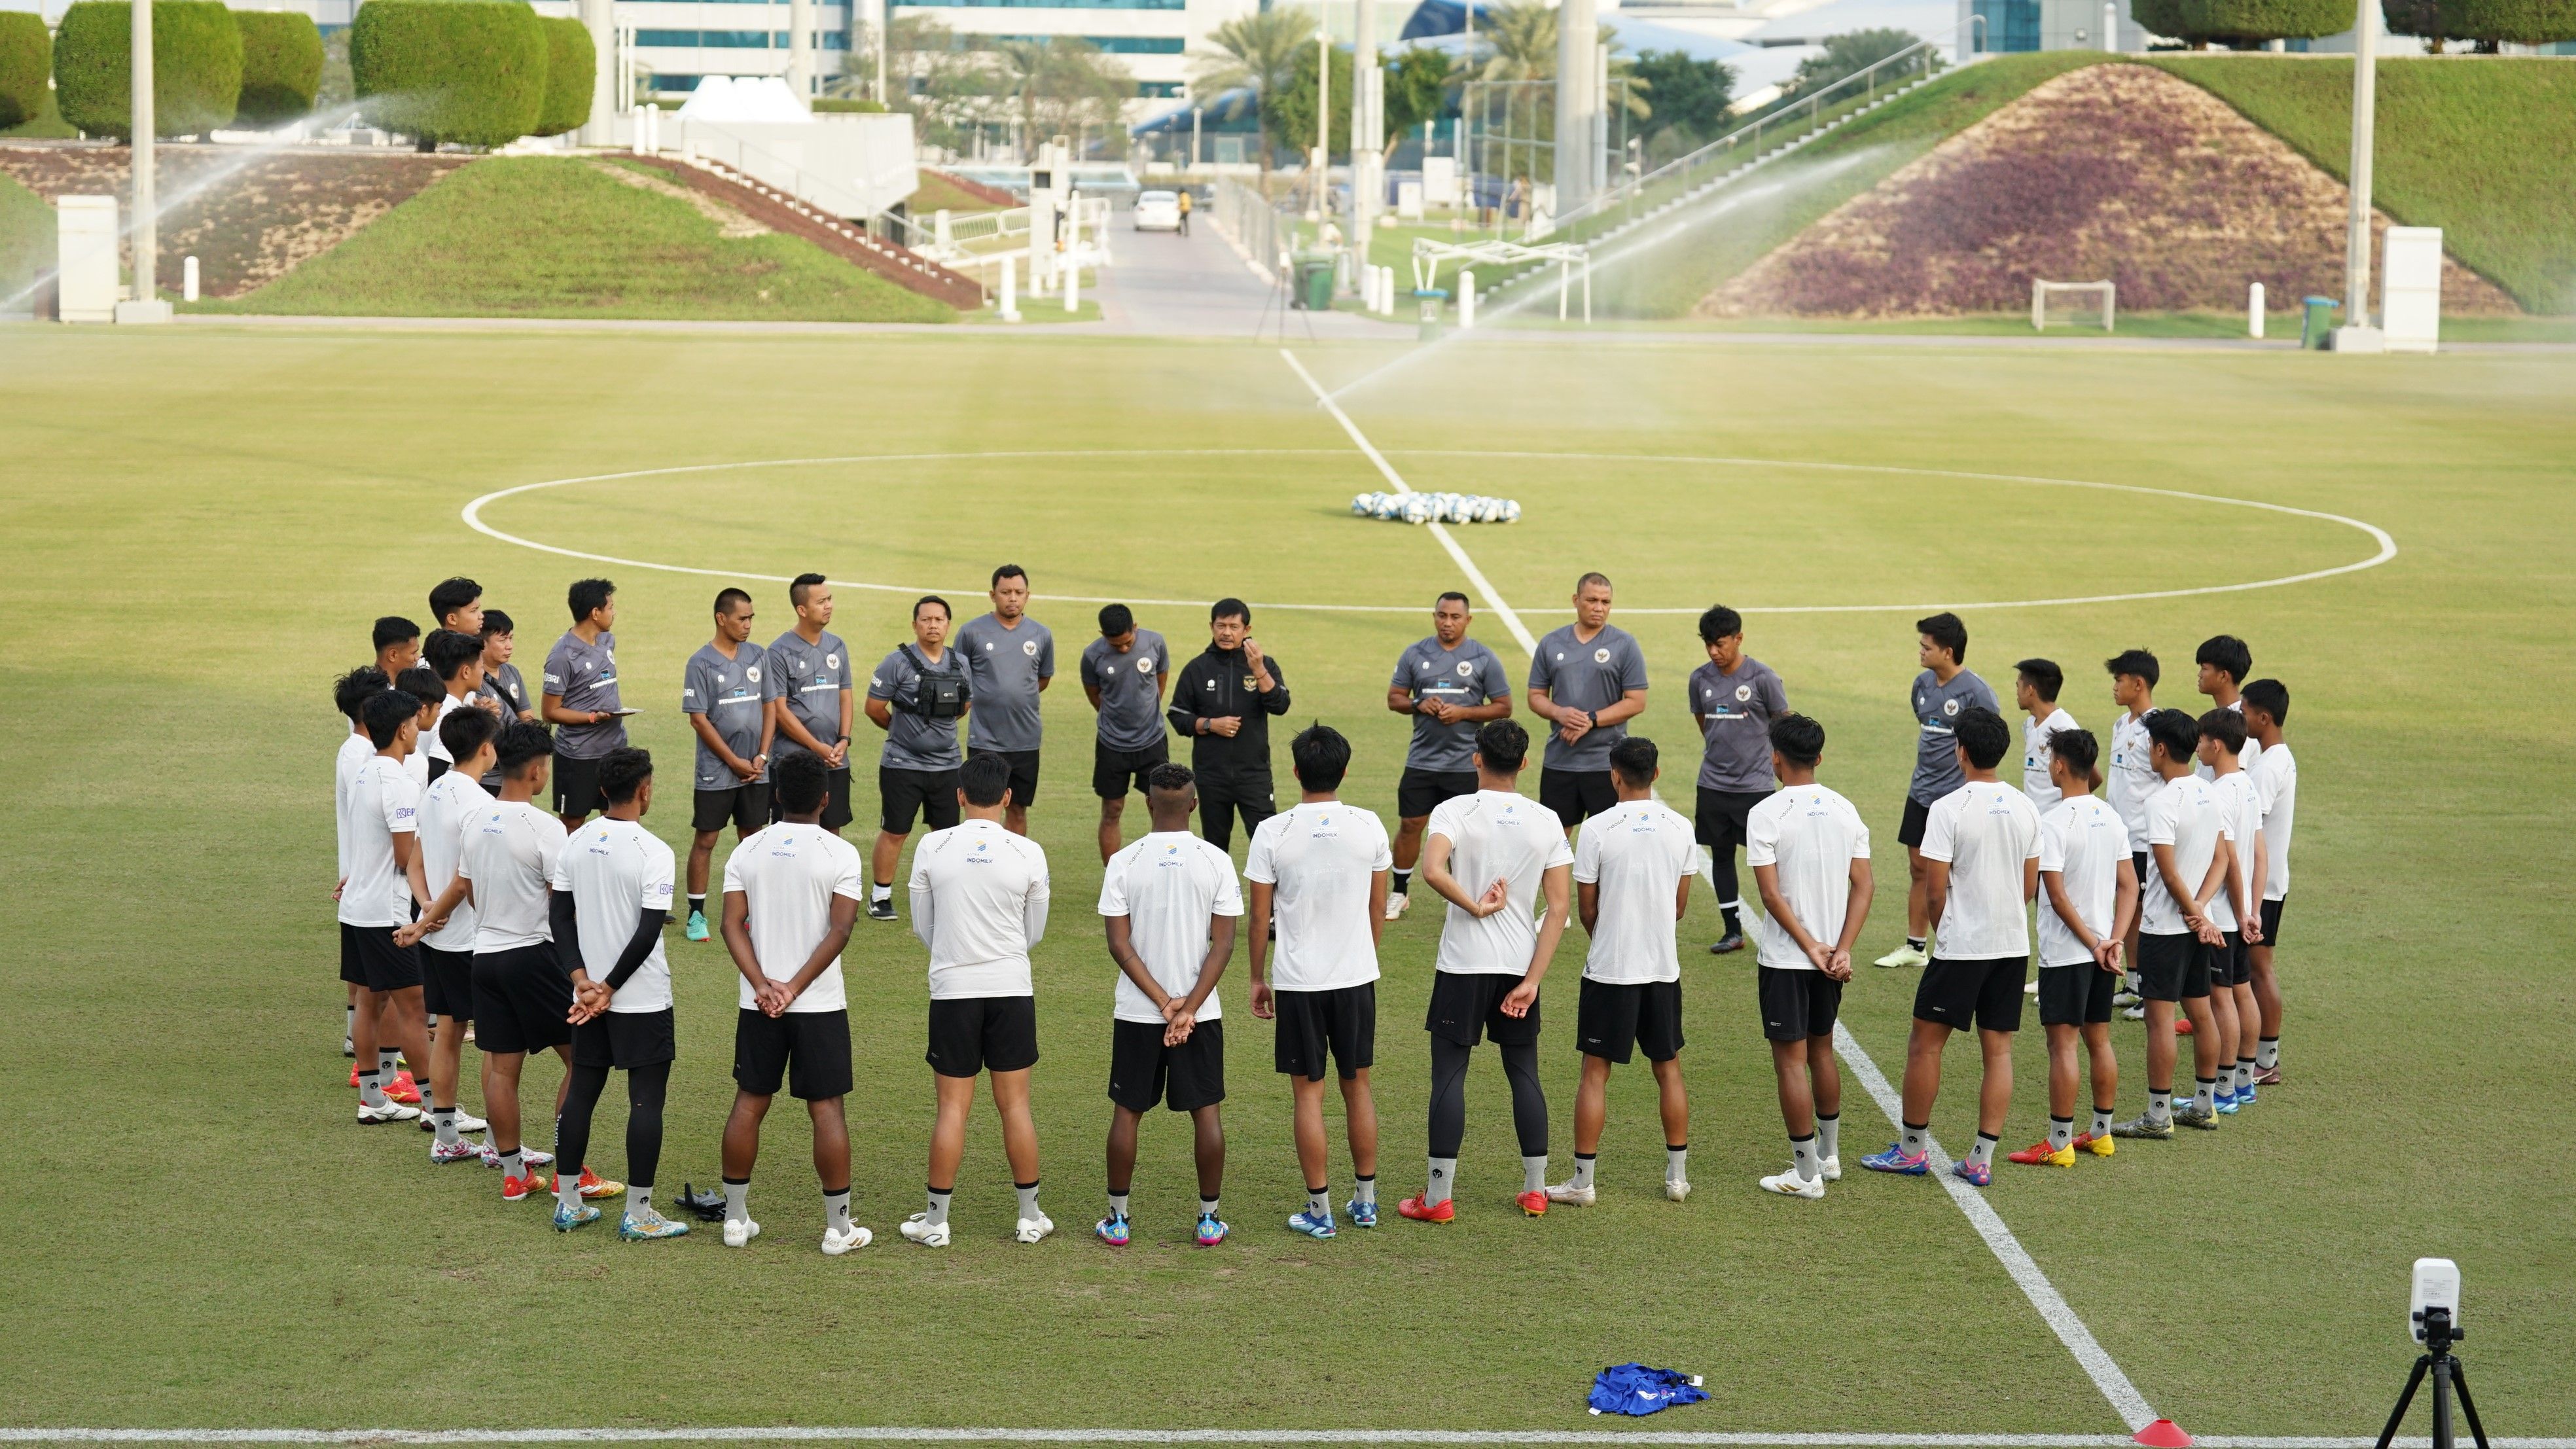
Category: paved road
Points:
column 1164, row 285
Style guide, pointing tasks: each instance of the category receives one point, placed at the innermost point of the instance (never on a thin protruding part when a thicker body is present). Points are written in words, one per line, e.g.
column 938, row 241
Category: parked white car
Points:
column 1158, row 211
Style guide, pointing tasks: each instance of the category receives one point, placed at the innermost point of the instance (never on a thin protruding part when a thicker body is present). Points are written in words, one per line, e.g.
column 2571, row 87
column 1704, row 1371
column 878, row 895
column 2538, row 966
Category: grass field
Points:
column 203, row 521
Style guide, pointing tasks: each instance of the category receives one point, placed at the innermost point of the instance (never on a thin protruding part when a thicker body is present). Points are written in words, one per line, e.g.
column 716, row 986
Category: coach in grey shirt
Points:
column 1450, row 685
column 806, row 676
column 1011, row 659
column 580, row 699
column 1733, row 698
column 1587, row 680
column 1941, row 692
column 917, row 768
column 1124, row 672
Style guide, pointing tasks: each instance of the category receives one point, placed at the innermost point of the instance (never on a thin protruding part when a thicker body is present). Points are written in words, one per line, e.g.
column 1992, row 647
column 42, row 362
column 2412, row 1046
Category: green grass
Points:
column 27, row 236
column 204, row 1239
column 544, row 237
column 2278, row 326
column 2483, row 147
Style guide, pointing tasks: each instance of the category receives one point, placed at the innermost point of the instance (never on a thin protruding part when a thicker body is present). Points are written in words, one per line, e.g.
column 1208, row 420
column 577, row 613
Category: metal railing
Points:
column 1247, row 218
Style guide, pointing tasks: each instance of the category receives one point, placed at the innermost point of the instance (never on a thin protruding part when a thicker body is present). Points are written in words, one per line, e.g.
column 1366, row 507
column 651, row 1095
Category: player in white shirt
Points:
column 2238, row 906
column 1320, row 869
column 791, row 894
column 384, row 882
column 1981, row 850
column 348, row 695
column 447, row 954
column 2088, row 900
column 1492, row 856
column 612, row 892
column 2130, row 781
column 1632, row 875
column 2224, row 662
column 1169, row 903
column 2189, row 852
column 421, row 683
column 979, row 902
column 2035, row 689
column 2276, row 786
column 457, row 660
column 1810, row 857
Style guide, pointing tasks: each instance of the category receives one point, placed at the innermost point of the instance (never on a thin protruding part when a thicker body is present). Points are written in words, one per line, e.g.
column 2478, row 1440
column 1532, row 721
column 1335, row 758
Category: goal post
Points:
column 2068, row 302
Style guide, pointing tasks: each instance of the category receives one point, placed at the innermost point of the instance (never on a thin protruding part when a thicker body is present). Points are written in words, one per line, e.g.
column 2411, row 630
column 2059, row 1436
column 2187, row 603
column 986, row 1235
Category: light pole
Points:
column 1367, row 131
column 147, row 234
column 1196, row 112
column 1323, row 108
column 2356, row 334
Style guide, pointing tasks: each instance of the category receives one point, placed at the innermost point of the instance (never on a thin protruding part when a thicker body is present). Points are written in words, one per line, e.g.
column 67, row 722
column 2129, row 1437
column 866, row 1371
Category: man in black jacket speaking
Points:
column 1223, row 701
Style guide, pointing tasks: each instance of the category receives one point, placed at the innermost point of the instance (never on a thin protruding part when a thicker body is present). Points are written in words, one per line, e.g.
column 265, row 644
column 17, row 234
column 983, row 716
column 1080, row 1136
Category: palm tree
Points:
column 1518, row 43
column 1258, row 52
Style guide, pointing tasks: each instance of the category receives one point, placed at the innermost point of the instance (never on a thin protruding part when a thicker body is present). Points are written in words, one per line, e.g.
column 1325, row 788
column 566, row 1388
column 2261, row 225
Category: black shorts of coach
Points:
column 1185, row 1078
column 381, row 965
column 1918, row 818
column 2172, row 968
column 744, row 806
column 575, row 785
column 1419, row 792
column 1465, row 1004
column 521, row 1000
column 1722, row 817
column 2230, row 964
column 1797, row 1004
column 1313, row 1025
column 971, row 1034
column 1115, row 772
column 836, row 799
column 1024, row 773
column 2077, row 995
column 1985, row 992
column 1614, row 1021
column 446, row 982
column 625, row 1040
column 902, row 793
column 1576, row 795
column 806, row 1051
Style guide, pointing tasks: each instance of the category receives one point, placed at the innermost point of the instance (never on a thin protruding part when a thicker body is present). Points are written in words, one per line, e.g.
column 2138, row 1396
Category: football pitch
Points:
column 202, row 523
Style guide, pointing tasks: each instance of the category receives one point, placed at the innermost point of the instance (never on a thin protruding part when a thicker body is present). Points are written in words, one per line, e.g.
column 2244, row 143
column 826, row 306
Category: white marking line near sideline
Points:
column 871, row 1434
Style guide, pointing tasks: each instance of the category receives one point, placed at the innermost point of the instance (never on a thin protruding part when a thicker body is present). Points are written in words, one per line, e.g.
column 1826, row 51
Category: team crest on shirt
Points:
column 831, row 661
column 1248, row 682
column 1029, row 647
column 1743, row 692
column 1601, row 656
column 1465, row 669
column 751, row 674
column 1144, row 666
column 1950, row 706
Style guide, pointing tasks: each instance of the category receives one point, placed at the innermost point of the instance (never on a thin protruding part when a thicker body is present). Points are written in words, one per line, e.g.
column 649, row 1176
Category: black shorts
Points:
column 1187, row 1077
column 836, row 797
column 626, row 1040
column 807, row 1051
column 902, row 793
column 1417, row 792
column 2171, row 968
column 1115, row 772
column 576, row 790
column 2144, row 863
column 971, row 1034
column 382, row 965
column 522, row 1000
column 1797, row 1004
column 2077, row 995
column 352, row 970
column 447, row 982
column 1918, row 817
column 1986, row 992
column 747, row 806
column 1464, row 1005
column 1576, row 794
column 1611, row 1021
column 1341, row 1022
column 2228, row 965
column 1722, row 815
column 1024, row 773
column 2272, row 922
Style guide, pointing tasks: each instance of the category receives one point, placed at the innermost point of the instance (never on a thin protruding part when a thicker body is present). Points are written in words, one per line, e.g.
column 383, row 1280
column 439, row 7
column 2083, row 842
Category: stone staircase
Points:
column 781, row 212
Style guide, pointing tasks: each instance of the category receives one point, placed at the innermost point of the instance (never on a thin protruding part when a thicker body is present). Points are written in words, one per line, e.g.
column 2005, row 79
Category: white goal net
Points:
column 2071, row 304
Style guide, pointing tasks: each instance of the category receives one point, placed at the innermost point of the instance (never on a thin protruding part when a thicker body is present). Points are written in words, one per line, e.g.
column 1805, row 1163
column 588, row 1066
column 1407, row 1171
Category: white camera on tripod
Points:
column 2437, row 1286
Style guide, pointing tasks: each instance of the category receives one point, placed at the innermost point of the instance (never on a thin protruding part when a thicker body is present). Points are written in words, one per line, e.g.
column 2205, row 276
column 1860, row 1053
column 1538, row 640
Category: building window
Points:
column 2007, row 25
column 675, row 82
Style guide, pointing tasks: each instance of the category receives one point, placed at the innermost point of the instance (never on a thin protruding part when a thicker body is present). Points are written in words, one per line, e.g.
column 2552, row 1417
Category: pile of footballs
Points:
column 1436, row 508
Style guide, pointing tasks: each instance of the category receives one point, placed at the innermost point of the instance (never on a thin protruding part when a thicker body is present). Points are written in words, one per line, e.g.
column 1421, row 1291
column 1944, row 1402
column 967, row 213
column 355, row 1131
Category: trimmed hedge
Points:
column 281, row 67
column 2525, row 22
column 196, row 67
column 26, row 59
column 572, row 67
column 468, row 71
column 2243, row 20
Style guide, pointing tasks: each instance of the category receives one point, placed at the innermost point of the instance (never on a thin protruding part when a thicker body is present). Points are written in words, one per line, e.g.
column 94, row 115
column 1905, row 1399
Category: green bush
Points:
column 196, row 67
column 469, row 71
column 281, row 67
column 846, row 105
column 2525, row 22
column 572, row 67
column 2254, row 20
column 26, row 59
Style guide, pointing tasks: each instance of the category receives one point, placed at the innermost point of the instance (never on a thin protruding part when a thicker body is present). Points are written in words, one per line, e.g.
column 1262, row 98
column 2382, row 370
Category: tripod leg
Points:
column 2405, row 1400
column 2442, row 1403
column 2468, row 1406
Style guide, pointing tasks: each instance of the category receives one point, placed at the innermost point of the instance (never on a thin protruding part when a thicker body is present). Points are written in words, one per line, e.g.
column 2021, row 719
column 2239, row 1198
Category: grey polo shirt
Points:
column 585, row 675
column 1005, row 666
column 1736, row 711
column 730, row 694
column 1936, row 706
column 912, row 742
column 1131, row 692
column 1587, row 676
column 505, row 685
column 1468, row 675
column 811, row 678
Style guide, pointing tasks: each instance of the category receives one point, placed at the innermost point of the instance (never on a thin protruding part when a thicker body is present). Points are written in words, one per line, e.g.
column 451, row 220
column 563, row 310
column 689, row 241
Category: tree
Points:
column 572, row 67
column 196, row 70
column 2249, row 21
column 1289, row 120
column 281, row 66
column 26, row 60
column 1059, row 84
column 468, row 71
column 1518, row 44
column 1417, row 86
column 1258, row 52
column 1847, row 55
column 2524, row 22
column 1692, row 97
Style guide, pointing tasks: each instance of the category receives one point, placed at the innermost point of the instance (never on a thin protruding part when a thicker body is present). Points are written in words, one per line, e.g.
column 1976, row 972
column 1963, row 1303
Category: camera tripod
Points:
column 2445, row 1370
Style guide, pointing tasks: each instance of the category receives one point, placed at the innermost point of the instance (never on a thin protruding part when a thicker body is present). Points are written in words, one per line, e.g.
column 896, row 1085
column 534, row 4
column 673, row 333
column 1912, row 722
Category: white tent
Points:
column 745, row 100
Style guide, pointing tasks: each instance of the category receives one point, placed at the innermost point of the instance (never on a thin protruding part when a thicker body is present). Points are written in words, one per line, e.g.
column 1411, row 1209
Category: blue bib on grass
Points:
column 1633, row 1388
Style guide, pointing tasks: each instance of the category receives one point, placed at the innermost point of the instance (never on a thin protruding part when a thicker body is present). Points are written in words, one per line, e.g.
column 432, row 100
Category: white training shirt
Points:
column 1636, row 853
column 788, row 874
column 509, row 852
column 1984, row 831
column 2129, row 780
column 452, row 802
column 2242, row 815
column 1810, row 835
column 2276, row 790
column 383, row 803
column 1170, row 886
column 2036, row 755
column 979, row 902
column 354, row 752
column 1496, row 835
column 616, row 869
column 416, row 765
column 2184, row 815
column 2245, row 758
column 2083, row 842
column 1319, row 859
column 431, row 746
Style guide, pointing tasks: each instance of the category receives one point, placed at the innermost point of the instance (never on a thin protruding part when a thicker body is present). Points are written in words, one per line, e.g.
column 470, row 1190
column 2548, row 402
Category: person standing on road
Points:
column 917, row 695
column 1123, row 674
column 808, row 686
column 1733, row 699
column 1450, row 685
column 1184, row 203
column 1011, row 659
column 1587, row 679
column 1223, row 703
column 1941, row 692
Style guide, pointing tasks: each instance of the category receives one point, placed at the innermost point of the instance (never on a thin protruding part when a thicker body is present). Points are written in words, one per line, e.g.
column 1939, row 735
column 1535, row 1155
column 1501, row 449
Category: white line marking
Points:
column 871, row 1434
column 2043, row 1295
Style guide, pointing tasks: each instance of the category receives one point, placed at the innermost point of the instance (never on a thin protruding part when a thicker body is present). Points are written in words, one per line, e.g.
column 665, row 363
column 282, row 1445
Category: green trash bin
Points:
column 2316, row 322
column 1315, row 283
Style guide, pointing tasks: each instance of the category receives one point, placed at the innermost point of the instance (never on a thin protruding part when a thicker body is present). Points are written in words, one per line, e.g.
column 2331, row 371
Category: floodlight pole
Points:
column 1367, row 131
column 2357, row 335
column 1323, row 113
column 147, row 234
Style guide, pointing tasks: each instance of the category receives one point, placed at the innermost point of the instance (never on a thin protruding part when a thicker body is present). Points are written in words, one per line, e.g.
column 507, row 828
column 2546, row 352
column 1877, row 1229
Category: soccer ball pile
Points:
column 1436, row 508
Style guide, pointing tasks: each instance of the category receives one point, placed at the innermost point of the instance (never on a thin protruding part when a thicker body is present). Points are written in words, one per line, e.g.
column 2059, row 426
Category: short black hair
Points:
column 466, row 730
column 1116, row 619
column 350, row 691
column 448, row 651
column 496, row 621
column 727, row 598
column 1589, row 579
column 392, row 629
column 1947, row 631
column 383, row 715
column 1634, row 761
column 521, row 744
column 1230, row 608
column 799, row 782
column 622, row 772
column 1799, row 739
column 2270, row 696
column 2178, row 732
column 797, row 589
column 1008, row 571
column 2137, row 663
column 2225, row 726
column 422, row 685
column 932, row 599
column 2227, row 654
column 1719, row 622
column 1320, row 756
column 588, row 596
column 1447, row 594
column 1983, row 734
column 2044, row 676
column 452, row 595
column 986, row 779
column 2077, row 748
column 1503, row 744
column 1168, row 777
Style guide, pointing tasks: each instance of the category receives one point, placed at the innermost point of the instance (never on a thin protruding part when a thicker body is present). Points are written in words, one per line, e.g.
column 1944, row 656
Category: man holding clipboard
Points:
column 580, row 699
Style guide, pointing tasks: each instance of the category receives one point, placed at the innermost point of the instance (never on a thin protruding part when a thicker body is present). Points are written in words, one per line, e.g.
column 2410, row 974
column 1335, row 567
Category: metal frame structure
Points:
column 1500, row 252
column 2041, row 291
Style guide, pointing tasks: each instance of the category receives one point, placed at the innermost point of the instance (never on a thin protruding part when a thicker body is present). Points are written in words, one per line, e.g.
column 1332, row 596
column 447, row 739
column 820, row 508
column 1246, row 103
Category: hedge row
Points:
column 281, row 67
column 196, row 67
column 2243, row 20
column 475, row 72
column 2525, row 22
column 571, row 64
column 26, row 59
